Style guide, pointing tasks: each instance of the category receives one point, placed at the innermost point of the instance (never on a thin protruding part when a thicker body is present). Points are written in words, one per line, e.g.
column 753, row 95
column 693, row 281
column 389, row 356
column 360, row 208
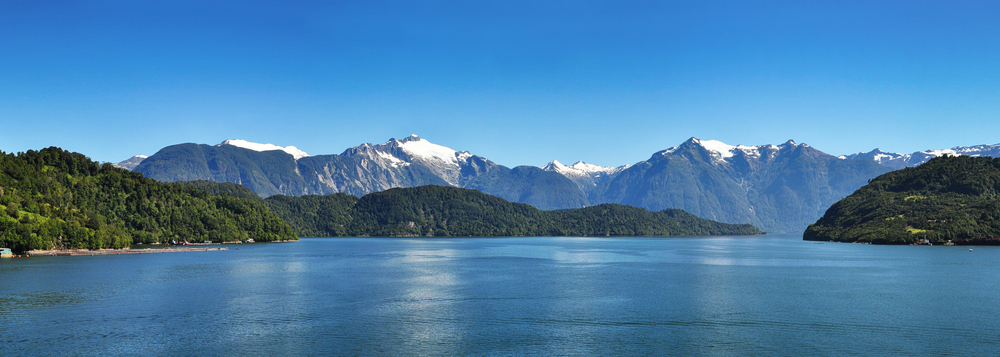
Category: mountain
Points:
column 270, row 170
column 778, row 188
column 440, row 211
column 947, row 198
column 899, row 161
column 130, row 163
column 585, row 175
column 53, row 198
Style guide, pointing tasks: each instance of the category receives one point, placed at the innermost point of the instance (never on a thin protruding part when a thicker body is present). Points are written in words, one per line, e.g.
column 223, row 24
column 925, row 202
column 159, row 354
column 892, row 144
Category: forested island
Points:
column 443, row 211
column 440, row 211
column 946, row 198
column 55, row 199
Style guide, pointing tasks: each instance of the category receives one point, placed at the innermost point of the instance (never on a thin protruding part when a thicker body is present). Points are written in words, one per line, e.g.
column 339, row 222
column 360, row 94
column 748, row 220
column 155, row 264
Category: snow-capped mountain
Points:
column 366, row 168
column 585, row 175
column 721, row 152
column 131, row 162
column 899, row 161
column 444, row 162
column 780, row 188
column 291, row 150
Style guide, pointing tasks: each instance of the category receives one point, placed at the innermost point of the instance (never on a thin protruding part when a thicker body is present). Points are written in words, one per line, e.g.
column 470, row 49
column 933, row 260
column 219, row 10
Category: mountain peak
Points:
column 240, row 143
column 554, row 165
column 417, row 147
column 724, row 150
column 130, row 163
column 412, row 137
column 581, row 168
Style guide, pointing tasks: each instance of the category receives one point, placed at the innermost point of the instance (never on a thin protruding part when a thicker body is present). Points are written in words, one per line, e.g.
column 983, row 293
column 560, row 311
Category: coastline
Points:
column 72, row 252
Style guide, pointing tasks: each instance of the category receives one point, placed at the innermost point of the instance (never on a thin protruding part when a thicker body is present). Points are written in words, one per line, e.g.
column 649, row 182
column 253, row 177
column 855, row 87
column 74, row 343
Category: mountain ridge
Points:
column 780, row 188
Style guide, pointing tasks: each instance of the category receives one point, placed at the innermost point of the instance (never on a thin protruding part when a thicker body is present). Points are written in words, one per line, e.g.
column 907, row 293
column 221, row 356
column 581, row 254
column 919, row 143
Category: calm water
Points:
column 769, row 295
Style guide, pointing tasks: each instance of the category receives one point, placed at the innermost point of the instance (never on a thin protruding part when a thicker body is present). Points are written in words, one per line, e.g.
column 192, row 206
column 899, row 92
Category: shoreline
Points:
column 84, row 252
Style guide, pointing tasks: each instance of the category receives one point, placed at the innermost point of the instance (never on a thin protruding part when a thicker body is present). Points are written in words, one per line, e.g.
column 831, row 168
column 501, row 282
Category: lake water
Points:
column 759, row 295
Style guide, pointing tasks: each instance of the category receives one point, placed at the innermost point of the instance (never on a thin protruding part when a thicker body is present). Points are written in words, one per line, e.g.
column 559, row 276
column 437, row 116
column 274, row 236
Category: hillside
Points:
column 946, row 198
column 454, row 212
column 58, row 199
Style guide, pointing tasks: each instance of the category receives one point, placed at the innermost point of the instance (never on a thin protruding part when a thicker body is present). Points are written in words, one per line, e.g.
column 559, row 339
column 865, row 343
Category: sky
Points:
column 517, row 82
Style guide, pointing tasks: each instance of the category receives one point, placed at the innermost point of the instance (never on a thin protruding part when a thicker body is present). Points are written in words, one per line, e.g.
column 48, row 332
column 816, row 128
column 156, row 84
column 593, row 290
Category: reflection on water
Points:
column 425, row 304
column 770, row 295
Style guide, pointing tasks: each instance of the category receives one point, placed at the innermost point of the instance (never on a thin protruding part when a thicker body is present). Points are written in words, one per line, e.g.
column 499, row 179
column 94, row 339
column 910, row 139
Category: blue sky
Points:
column 518, row 82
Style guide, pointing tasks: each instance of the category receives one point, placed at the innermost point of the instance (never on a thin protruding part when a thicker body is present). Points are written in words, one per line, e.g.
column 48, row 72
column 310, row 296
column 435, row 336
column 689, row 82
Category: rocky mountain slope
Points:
column 270, row 169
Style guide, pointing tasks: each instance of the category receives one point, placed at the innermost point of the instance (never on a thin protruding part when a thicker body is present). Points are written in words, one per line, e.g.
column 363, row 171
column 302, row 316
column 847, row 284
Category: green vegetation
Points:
column 440, row 211
column 55, row 199
column 315, row 216
column 947, row 198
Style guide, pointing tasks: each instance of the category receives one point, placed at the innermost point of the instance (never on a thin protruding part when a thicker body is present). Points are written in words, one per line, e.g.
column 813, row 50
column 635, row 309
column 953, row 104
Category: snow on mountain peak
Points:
column 724, row 150
column 581, row 168
column 554, row 165
column 291, row 150
column 426, row 150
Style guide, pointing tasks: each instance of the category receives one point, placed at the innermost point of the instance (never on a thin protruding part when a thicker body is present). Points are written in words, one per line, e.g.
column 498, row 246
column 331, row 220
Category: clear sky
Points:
column 518, row 82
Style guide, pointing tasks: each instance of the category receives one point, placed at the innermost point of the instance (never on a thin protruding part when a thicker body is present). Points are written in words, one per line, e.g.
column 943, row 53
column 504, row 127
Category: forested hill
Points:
column 946, row 198
column 58, row 199
column 455, row 212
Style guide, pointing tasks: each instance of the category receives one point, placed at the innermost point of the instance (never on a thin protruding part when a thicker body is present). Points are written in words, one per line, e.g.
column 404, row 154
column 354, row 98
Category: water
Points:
column 765, row 295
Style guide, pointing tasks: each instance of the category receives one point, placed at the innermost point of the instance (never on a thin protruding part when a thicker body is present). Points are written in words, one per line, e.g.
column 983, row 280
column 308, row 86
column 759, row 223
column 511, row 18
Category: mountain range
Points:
column 779, row 188
column 270, row 170
column 898, row 161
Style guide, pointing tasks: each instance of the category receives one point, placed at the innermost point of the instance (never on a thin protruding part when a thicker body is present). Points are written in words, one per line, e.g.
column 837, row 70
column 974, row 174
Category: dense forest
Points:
column 440, row 211
column 55, row 199
column 946, row 198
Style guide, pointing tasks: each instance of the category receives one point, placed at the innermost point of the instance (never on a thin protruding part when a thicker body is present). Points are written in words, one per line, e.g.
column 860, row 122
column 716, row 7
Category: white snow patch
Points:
column 428, row 151
column 291, row 150
column 938, row 153
column 750, row 151
column 880, row 157
column 721, row 148
column 393, row 161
